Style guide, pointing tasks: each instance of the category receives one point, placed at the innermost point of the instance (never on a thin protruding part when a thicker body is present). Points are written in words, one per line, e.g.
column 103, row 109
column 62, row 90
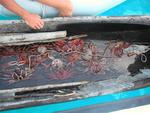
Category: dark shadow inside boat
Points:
column 110, row 31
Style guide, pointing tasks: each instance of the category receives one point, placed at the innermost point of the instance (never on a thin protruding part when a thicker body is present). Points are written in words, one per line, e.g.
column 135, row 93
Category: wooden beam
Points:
column 43, row 87
column 28, row 38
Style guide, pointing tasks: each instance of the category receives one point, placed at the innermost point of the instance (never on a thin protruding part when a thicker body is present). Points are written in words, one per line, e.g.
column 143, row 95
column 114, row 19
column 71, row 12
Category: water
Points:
column 130, row 7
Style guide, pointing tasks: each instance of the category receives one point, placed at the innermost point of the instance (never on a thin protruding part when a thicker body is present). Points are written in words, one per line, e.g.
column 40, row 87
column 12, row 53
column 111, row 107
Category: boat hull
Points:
column 112, row 42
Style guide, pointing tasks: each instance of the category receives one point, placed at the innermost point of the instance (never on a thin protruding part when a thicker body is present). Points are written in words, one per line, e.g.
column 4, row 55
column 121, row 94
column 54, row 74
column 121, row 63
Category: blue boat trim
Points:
column 84, row 102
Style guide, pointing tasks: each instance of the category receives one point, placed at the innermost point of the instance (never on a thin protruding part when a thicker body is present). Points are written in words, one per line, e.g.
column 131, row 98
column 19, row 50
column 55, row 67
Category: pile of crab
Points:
column 29, row 57
column 58, row 58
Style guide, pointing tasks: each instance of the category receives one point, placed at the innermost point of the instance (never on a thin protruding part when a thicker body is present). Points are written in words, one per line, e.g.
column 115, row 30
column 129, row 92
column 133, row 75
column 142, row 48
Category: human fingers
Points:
column 41, row 23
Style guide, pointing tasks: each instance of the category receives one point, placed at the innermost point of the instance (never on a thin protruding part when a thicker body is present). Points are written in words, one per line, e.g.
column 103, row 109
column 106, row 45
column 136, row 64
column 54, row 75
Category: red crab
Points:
column 95, row 66
column 35, row 60
column 61, row 74
column 117, row 49
column 92, row 59
column 7, row 51
column 92, row 47
column 74, row 57
column 89, row 52
column 23, row 57
column 69, row 46
column 17, row 75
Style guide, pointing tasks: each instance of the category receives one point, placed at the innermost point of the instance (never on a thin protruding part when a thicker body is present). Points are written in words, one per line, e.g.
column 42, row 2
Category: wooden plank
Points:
column 28, row 38
column 43, row 87
column 23, row 39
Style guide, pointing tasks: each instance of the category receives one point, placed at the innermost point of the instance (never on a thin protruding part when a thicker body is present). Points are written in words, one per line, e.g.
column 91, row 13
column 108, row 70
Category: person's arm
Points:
column 64, row 6
column 33, row 20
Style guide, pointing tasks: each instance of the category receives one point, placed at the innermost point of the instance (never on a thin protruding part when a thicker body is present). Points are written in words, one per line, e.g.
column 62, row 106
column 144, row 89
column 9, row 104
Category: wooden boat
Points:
column 112, row 57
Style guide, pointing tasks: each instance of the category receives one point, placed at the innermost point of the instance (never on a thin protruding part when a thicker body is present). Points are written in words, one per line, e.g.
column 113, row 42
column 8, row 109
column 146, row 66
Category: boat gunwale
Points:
column 13, row 26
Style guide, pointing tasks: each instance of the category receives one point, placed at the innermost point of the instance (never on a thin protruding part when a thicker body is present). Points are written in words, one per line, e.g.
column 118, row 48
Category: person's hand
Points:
column 33, row 20
column 66, row 8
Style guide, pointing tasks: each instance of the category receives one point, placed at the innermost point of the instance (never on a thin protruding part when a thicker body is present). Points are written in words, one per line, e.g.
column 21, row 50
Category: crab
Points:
column 89, row 52
column 42, row 49
column 18, row 75
column 7, row 51
column 64, row 46
column 13, row 63
column 92, row 59
column 57, row 63
column 35, row 60
column 70, row 49
column 61, row 74
column 72, row 58
column 118, row 48
column 95, row 65
column 23, row 57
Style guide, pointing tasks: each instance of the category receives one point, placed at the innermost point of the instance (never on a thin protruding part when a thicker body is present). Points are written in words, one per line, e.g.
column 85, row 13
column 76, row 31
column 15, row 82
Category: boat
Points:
column 107, row 55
